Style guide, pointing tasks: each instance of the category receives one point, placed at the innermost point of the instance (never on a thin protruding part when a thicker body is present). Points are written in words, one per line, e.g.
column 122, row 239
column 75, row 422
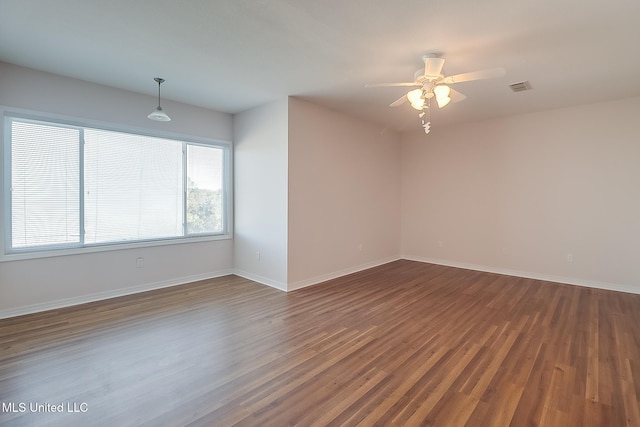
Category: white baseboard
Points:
column 67, row 302
column 529, row 275
column 262, row 280
column 52, row 305
column 329, row 276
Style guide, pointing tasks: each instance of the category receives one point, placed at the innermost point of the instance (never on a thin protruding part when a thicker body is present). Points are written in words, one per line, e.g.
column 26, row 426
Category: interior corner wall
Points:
column 40, row 284
column 344, row 194
column 552, row 195
column 260, row 180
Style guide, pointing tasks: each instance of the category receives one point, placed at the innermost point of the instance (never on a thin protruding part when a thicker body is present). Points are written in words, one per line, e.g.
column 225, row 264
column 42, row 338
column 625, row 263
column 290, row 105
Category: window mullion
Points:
column 184, row 190
column 81, row 186
column 8, row 182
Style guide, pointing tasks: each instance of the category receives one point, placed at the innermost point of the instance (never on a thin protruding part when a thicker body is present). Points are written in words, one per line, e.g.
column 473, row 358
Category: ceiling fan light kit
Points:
column 158, row 114
column 442, row 95
column 416, row 99
column 433, row 84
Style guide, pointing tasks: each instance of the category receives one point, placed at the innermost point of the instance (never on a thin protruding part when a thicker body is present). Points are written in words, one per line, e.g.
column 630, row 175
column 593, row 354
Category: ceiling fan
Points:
column 432, row 84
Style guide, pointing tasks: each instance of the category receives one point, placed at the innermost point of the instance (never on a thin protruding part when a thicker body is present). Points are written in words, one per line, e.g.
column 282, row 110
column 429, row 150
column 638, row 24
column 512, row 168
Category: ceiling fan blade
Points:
column 399, row 101
column 456, row 96
column 433, row 66
column 475, row 75
column 392, row 84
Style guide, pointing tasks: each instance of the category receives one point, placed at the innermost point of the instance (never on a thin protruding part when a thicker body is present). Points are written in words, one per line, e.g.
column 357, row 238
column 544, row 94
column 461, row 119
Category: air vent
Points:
column 520, row 86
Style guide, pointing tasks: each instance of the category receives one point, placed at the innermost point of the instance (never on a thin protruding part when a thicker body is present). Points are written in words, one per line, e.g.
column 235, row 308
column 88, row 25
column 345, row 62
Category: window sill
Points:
column 18, row 256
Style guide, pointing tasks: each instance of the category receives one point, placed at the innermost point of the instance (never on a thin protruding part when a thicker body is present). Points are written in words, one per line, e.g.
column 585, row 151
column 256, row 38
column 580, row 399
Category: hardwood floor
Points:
column 401, row 344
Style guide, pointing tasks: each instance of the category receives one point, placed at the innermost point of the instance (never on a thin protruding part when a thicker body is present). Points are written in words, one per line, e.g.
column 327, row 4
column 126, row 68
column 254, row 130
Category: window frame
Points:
column 7, row 253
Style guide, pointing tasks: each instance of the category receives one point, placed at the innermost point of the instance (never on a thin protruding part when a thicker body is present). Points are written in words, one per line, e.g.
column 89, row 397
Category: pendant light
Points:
column 158, row 114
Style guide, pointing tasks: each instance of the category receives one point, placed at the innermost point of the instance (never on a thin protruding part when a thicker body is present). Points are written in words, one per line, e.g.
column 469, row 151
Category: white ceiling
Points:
column 231, row 55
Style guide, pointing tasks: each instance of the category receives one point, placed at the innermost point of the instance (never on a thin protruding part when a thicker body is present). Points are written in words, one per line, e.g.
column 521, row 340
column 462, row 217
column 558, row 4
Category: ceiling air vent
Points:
column 520, row 86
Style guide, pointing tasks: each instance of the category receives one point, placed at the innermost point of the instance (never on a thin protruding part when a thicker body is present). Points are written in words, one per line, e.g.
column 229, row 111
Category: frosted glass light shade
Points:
column 443, row 101
column 159, row 115
column 414, row 95
column 442, row 95
column 441, row 91
column 416, row 99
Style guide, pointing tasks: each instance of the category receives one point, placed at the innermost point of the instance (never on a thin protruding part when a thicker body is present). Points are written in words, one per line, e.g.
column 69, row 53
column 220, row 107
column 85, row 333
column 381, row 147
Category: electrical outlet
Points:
column 569, row 257
column 139, row 262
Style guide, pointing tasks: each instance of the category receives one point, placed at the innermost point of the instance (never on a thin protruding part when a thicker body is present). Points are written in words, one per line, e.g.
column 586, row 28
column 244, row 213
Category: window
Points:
column 73, row 187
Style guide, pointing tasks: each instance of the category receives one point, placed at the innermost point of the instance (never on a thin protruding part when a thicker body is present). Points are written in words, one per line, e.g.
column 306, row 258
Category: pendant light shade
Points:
column 158, row 114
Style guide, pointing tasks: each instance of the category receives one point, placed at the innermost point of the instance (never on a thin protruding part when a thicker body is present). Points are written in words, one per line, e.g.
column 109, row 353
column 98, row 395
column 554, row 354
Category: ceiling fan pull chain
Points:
column 426, row 125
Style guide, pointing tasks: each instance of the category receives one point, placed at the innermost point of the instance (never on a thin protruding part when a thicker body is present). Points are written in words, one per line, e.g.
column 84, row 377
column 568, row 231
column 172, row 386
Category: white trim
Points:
column 68, row 302
column 281, row 286
column 618, row 287
column 18, row 256
column 329, row 276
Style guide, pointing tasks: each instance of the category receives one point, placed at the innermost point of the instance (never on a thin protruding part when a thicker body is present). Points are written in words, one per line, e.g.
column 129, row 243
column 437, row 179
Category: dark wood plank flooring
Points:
column 402, row 344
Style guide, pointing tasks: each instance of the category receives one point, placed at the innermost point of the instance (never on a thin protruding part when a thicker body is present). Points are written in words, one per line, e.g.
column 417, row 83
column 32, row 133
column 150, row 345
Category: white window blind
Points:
column 132, row 187
column 73, row 186
column 45, row 182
